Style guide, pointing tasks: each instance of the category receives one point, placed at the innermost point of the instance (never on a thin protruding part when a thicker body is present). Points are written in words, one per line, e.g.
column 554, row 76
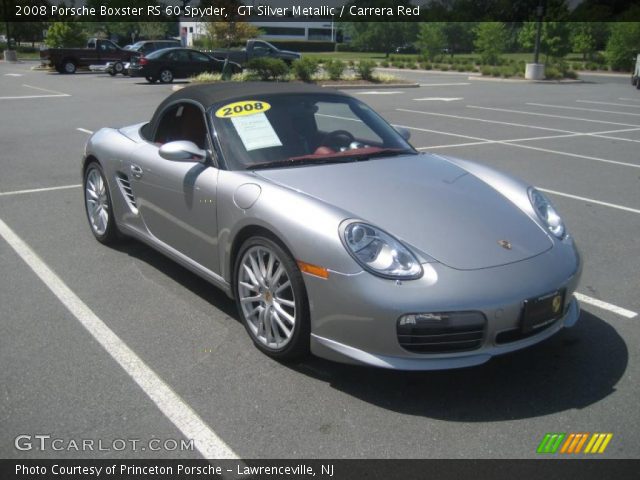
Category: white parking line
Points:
column 378, row 92
column 168, row 402
column 605, row 306
column 535, row 127
column 443, row 84
column 84, row 130
column 580, row 119
column 438, row 99
column 21, row 97
column 46, row 90
column 590, row 200
column 564, row 107
column 36, row 190
column 629, row 99
column 608, row 103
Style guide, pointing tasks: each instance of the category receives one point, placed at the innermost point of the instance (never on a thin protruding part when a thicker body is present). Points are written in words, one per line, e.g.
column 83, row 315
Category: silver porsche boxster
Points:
column 331, row 232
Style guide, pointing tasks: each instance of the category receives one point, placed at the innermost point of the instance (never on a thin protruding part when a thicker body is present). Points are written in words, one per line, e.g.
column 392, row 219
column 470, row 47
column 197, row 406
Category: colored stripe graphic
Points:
column 551, row 442
column 598, row 443
column 573, row 443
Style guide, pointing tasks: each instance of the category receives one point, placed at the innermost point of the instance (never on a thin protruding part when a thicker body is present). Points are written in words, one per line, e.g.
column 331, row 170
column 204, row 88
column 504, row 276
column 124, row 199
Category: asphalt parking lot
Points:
column 578, row 142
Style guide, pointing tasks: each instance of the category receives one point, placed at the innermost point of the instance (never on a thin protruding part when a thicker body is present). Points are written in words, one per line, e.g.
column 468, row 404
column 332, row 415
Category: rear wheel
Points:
column 117, row 67
column 271, row 299
column 69, row 66
column 166, row 76
column 97, row 202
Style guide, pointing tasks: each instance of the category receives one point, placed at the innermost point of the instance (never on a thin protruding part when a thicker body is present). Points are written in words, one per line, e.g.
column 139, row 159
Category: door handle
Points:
column 136, row 171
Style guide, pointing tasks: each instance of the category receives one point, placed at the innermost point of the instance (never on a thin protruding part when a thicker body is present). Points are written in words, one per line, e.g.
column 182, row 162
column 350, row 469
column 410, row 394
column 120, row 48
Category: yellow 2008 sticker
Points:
column 240, row 109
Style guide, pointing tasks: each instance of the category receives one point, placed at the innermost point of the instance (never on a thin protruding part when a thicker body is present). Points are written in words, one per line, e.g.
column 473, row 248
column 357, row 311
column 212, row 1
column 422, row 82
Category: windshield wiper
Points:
column 339, row 157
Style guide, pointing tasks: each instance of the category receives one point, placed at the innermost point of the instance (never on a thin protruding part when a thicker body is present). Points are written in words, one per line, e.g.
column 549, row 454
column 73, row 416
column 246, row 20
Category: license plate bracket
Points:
column 540, row 311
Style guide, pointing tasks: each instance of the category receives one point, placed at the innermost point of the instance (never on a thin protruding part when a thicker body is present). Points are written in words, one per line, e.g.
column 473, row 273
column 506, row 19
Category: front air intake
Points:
column 442, row 332
column 127, row 192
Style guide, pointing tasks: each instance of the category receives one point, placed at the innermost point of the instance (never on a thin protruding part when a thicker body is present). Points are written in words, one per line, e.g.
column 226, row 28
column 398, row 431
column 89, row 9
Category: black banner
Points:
column 547, row 469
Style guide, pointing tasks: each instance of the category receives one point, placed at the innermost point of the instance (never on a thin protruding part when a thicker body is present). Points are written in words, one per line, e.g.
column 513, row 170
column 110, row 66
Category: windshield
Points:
column 269, row 131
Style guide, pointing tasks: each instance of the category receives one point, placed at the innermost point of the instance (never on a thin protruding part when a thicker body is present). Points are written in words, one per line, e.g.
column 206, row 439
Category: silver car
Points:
column 331, row 232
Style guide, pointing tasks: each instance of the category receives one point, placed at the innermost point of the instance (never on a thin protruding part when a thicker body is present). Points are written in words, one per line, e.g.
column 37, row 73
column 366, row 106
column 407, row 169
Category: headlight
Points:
column 380, row 253
column 547, row 213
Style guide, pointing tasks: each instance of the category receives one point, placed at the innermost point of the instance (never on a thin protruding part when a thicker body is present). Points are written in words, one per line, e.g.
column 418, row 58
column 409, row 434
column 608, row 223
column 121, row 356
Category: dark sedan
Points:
column 169, row 63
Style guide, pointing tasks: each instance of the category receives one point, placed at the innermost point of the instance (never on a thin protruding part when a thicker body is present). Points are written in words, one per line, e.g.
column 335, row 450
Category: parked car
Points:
column 143, row 47
column 256, row 48
column 98, row 52
column 171, row 63
column 635, row 76
column 331, row 232
column 407, row 48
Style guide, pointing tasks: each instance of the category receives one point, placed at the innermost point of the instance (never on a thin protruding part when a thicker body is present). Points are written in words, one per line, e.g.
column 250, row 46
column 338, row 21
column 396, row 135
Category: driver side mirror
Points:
column 182, row 151
column 404, row 132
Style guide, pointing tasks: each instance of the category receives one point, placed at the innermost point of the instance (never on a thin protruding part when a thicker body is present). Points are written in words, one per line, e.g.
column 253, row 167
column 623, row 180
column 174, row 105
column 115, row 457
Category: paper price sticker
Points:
column 243, row 108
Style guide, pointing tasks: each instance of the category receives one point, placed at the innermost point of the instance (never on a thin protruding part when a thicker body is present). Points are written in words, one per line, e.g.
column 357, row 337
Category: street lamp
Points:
column 539, row 14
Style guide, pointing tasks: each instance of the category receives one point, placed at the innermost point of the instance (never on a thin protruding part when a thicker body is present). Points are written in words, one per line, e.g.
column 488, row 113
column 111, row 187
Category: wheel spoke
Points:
column 256, row 298
column 256, row 270
column 282, row 287
column 249, row 286
column 285, row 330
column 285, row 302
column 281, row 311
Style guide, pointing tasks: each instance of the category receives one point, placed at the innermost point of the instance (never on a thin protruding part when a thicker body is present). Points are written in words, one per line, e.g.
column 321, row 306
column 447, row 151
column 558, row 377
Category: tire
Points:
column 69, row 66
column 111, row 72
column 118, row 67
column 165, row 76
column 634, row 80
column 275, row 309
column 98, row 206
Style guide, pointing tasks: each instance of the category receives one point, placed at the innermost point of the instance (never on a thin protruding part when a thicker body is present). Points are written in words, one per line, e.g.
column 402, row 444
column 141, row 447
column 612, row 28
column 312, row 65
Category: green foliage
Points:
column 268, row 68
column 623, row 45
column 554, row 38
column 583, row 38
column 381, row 36
column 153, row 30
column 552, row 73
column 431, row 39
column 65, row 34
column 491, row 41
column 364, row 69
column 335, row 68
column 305, row 68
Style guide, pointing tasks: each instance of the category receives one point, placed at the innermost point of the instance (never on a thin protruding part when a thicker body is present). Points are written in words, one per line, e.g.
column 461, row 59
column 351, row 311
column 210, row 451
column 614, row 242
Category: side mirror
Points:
column 182, row 151
column 404, row 132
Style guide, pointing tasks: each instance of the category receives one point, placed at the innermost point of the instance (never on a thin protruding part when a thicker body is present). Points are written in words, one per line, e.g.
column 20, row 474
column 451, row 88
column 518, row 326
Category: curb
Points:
column 522, row 80
column 419, row 70
column 373, row 86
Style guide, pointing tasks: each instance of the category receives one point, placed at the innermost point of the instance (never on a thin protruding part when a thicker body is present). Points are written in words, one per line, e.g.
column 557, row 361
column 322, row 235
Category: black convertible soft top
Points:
column 209, row 94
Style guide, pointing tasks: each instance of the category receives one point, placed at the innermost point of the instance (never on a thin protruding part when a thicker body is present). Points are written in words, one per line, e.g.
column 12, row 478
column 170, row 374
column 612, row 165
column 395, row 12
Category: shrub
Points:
column 570, row 74
column 444, row 68
column 413, row 66
column 305, row 68
column 384, row 64
column 427, row 66
column 268, row 68
column 496, row 71
column 334, row 68
column 364, row 69
column 485, row 70
column 552, row 73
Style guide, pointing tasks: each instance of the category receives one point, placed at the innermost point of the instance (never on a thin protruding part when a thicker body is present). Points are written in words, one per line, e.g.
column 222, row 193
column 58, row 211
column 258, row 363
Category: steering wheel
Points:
column 337, row 139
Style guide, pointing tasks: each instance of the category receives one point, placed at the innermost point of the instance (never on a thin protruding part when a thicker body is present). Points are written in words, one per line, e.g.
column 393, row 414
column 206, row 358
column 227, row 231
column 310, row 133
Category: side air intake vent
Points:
column 125, row 188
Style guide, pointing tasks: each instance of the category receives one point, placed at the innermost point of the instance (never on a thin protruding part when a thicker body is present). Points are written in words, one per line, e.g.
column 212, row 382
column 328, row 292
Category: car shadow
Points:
column 205, row 290
column 571, row 370
column 175, row 82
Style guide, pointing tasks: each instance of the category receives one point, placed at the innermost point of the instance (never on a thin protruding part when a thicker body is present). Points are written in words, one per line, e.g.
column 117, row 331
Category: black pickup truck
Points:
column 98, row 52
column 256, row 48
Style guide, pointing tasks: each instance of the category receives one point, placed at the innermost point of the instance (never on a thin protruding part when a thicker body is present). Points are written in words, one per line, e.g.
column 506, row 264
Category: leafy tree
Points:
column 152, row 30
column 229, row 34
column 65, row 34
column 491, row 41
column 460, row 36
column 623, row 45
column 583, row 39
column 431, row 39
column 554, row 38
column 381, row 36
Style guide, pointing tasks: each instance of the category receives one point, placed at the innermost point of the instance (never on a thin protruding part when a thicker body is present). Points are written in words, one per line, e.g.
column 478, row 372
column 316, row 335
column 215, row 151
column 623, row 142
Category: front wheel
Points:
column 166, row 76
column 118, row 67
column 69, row 66
column 97, row 202
column 271, row 299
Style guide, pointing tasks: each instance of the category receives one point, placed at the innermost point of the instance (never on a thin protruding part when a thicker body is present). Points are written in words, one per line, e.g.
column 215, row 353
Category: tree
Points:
column 431, row 39
column 381, row 36
column 583, row 39
column 460, row 36
column 152, row 30
column 65, row 34
column 554, row 38
column 491, row 41
column 229, row 34
column 623, row 45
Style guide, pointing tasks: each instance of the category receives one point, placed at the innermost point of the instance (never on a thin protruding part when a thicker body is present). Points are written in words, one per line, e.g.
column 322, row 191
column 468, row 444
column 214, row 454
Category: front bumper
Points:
column 365, row 331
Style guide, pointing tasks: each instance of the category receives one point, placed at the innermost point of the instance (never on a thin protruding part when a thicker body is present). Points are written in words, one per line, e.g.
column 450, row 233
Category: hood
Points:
column 427, row 202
